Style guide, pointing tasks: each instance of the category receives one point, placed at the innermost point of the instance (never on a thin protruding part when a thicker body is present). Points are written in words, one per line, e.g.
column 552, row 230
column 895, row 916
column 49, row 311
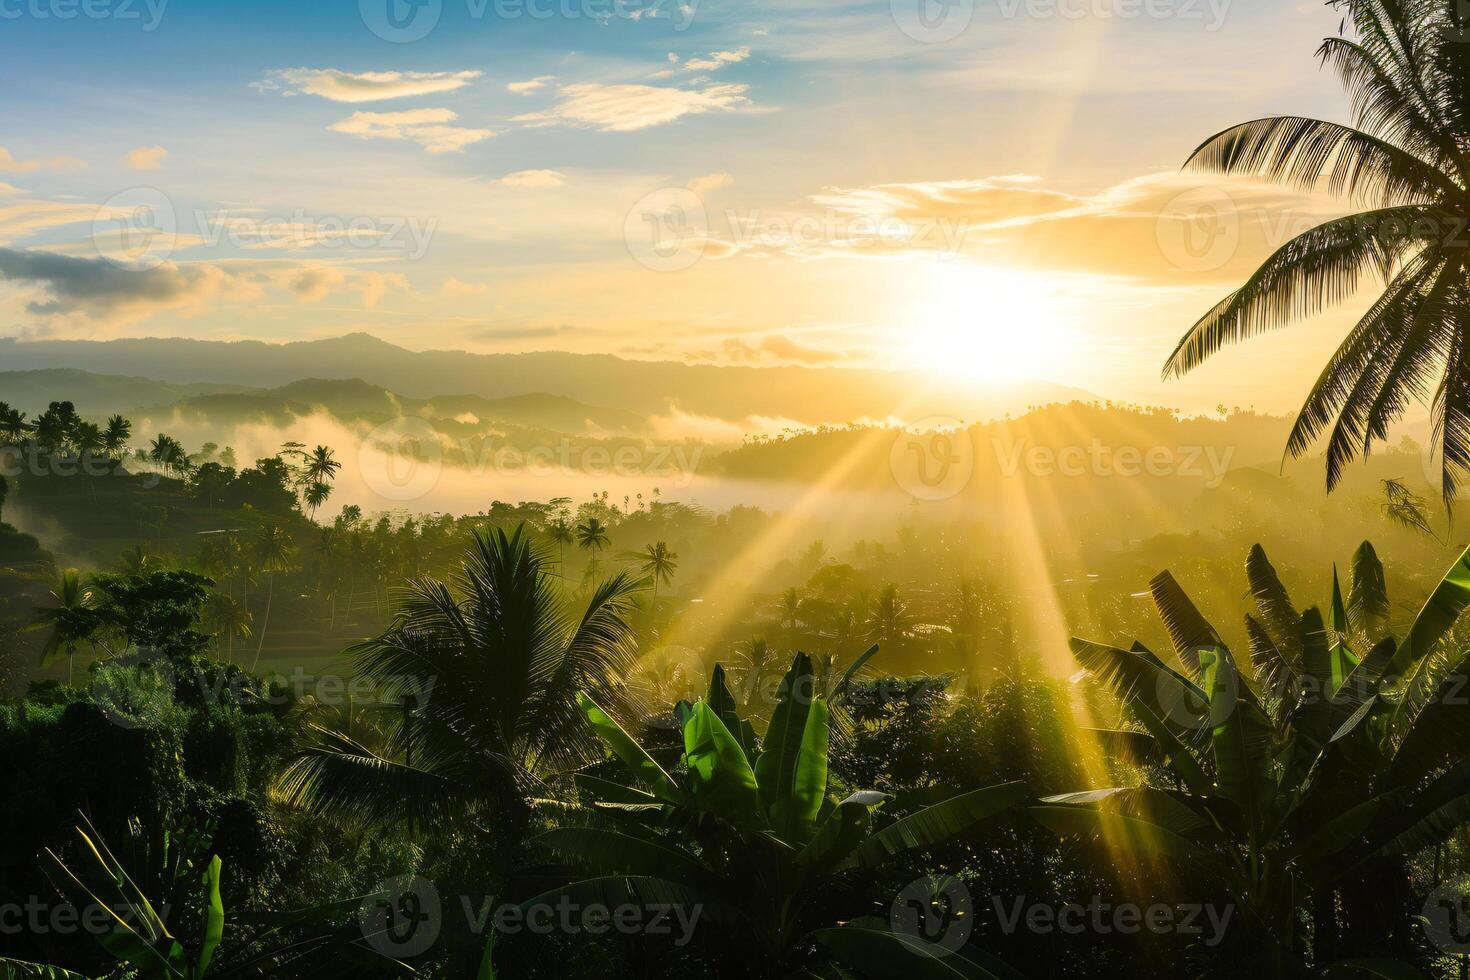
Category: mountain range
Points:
column 803, row 394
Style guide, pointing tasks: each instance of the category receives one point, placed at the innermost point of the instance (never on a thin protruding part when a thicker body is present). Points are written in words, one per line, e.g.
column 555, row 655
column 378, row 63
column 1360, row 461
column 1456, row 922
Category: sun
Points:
column 985, row 323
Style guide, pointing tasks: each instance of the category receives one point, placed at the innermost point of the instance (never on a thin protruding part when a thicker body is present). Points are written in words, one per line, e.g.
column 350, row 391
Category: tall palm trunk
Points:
column 265, row 622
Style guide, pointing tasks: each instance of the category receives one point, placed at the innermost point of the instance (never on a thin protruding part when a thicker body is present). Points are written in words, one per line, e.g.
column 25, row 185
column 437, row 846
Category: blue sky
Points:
column 860, row 195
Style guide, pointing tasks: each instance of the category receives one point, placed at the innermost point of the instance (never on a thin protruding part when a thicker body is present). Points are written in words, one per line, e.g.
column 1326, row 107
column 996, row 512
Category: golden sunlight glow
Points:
column 986, row 323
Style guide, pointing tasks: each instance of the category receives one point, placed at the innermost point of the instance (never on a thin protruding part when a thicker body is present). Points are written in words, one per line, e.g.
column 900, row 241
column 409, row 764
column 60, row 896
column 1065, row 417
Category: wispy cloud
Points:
column 711, row 182
column 9, row 163
column 368, row 86
column 530, row 85
column 430, row 128
column 716, row 60
column 626, row 108
column 535, row 179
column 146, row 158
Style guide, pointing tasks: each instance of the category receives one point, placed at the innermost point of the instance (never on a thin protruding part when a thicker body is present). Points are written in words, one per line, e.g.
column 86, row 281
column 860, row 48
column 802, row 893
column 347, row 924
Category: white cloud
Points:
column 146, row 158
column 9, row 190
column 629, row 107
column 717, row 60
column 711, row 182
column 427, row 127
column 9, row 164
column 530, row 85
column 535, row 179
column 368, row 86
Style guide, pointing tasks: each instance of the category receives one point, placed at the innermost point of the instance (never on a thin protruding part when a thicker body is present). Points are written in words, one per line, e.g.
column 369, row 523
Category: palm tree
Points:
column 888, row 618
column 560, row 531
column 115, row 437
column 12, row 423
column 592, row 535
column 72, row 620
column 657, row 563
column 315, row 495
column 168, row 453
column 1407, row 159
column 322, row 465
column 487, row 666
column 226, row 618
column 273, row 551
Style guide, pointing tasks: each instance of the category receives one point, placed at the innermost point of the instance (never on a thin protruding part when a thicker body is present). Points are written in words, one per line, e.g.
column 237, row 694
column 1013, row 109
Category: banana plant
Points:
column 747, row 830
column 1281, row 793
column 139, row 939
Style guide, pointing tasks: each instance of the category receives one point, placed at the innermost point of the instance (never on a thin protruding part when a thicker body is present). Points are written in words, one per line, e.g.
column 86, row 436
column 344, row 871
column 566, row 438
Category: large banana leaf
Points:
column 626, row 748
column 1439, row 613
column 1134, row 748
column 610, row 852
column 1242, row 738
column 1190, row 770
column 1128, row 834
column 1162, row 807
column 1367, row 605
column 1139, row 674
column 940, row 823
column 719, row 772
column 212, row 918
column 792, row 771
column 836, row 837
column 1188, row 629
column 1276, row 675
column 722, row 702
column 886, row 954
column 1278, row 616
column 1438, row 733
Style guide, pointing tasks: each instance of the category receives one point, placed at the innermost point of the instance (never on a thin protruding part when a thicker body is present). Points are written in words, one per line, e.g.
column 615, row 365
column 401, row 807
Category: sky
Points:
column 984, row 189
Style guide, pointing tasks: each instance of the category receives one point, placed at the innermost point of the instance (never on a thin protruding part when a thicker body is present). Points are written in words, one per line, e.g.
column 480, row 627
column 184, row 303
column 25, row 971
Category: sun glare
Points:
column 986, row 323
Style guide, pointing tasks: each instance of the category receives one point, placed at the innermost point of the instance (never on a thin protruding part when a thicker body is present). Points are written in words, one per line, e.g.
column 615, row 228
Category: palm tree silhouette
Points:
column 72, row 620
column 592, row 535
column 488, row 665
column 1407, row 158
column 657, row 563
column 272, row 554
column 560, row 531
column 115, row 437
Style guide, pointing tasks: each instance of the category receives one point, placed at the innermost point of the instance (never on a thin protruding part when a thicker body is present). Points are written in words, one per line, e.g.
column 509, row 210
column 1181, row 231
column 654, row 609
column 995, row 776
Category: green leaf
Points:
column 851, row 672
column 213, row 925
column 836, row 837
column 638, row 761
column 887, row 954
column 1439, row 613
column 1134, row 748
column 1188, row 629
column 487, row 962
column 940, row 823
column 611, row 852
column 1367, row 605
column 1278, row 616
column 1189, row 769
column 21, row 970
column 719, row 772
column 1128, row 834
column 1242, row 739
column 1140, row 674
column 602, row 791
column 1438, row 733
column 787, row 742
column 722, row 702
